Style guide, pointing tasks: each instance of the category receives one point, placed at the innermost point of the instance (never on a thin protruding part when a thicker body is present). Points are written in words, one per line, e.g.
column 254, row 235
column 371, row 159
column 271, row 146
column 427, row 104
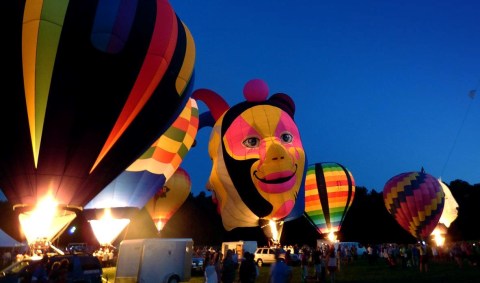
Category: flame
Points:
column 107, row 229
column 45, row 221
column 273, row 229
column 438, row 237
column 331, row 237
column 160, row 223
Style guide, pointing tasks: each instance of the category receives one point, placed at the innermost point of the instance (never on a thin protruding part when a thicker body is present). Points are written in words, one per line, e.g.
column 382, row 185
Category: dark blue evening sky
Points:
column 380, row 87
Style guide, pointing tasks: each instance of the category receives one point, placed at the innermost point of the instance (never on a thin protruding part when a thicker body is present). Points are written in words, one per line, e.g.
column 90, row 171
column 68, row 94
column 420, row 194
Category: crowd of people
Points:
column 50, row 272
column 322, row 263
column 106, row 255
column 317, row 264
column 420, row 254
column 226, row 268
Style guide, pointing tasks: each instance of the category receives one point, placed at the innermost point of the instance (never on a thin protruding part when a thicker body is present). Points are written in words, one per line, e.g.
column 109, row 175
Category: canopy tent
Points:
column 7, row 241
column 2, row 196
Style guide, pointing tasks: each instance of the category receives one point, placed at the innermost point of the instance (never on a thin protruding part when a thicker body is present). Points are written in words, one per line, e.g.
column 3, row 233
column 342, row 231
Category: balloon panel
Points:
column 329, row 192
column 88, row 93
column 416, row 201
column 141, row 180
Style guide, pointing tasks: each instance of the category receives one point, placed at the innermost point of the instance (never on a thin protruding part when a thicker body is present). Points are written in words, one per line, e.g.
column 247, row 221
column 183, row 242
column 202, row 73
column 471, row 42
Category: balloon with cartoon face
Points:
column 257, row 154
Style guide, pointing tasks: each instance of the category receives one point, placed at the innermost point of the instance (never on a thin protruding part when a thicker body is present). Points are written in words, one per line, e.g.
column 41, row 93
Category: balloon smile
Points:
column 277, row 182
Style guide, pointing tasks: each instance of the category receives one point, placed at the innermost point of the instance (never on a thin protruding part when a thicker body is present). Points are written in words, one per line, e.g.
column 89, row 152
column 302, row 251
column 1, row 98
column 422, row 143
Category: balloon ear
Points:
column 213, row 100
column 285, row 102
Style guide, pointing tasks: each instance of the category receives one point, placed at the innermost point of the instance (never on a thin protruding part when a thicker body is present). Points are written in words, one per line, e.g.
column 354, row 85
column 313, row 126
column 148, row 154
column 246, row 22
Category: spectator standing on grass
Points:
column 217, row 262
column 280, row 272
column 332, row 263
column 317, row 263
column 228, row 268
column 304, row 257
column 339, row 256
column 248, row 271
column 288, row 257
column 370, row 254
column 457, row 255
column 425, row 254
column 403, row 255
column 54, row 272
column 63, row 271
column 40, row 274
column 210, row 272
column 235, row 258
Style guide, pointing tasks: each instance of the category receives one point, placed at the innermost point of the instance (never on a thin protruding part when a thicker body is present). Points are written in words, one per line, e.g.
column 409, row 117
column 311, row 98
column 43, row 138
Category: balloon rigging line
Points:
column 471, row 95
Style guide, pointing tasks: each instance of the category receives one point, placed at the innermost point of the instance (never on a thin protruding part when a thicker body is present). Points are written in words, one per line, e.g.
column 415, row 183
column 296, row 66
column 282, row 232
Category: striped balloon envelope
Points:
column 91, row 85
column 329, row 192
column 416, row 201
column 143, row 178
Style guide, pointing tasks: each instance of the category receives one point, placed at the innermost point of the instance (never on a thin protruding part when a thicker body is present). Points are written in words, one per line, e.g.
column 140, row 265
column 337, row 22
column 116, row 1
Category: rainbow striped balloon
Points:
column 329, row 192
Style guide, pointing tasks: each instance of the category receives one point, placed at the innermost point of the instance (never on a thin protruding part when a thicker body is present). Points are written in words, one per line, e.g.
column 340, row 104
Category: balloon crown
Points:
column 255, row 92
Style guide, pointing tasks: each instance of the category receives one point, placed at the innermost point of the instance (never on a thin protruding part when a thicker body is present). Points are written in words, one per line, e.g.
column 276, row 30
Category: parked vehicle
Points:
column 265, row 256
column 154, row 260
column 197, row 263
column 82, row 267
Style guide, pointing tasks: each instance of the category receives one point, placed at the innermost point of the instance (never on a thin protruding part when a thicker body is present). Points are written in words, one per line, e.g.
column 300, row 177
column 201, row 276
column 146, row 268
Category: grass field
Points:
column 378, row 272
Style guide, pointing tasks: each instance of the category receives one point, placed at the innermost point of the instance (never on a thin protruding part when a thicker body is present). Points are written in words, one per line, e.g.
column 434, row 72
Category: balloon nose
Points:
column 276, row 152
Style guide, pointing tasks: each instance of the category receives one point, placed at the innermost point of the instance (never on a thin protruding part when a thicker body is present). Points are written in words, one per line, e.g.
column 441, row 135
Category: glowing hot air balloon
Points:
column 132, row 189
column 91, row 85
column 329, row 192
column 450, row 209
column 449, row 214
column 258, row 157
column 169, row 198
column 416, row 201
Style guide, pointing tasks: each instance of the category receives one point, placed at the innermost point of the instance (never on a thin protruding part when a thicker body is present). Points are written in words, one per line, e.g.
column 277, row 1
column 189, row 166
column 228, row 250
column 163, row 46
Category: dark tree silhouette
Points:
column 367, row 221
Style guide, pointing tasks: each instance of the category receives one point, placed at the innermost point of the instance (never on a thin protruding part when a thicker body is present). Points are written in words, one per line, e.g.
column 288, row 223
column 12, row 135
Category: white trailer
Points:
column 240, row 247
column 154, row 260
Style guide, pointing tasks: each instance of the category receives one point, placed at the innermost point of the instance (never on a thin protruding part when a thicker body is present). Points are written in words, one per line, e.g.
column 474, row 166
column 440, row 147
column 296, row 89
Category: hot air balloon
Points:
column 449, row 214
column 329, row 193
column 133, row 188
column 91, row 85
column 169, row 198
column 450, row 209
column 257, row 154
column 416, row 201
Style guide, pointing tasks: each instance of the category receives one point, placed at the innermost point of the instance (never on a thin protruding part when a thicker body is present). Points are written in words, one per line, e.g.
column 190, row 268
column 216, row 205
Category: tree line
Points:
column 367, row 221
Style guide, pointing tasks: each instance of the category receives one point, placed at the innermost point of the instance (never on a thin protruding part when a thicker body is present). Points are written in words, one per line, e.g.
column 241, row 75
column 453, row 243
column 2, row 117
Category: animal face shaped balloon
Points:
column 258, row 159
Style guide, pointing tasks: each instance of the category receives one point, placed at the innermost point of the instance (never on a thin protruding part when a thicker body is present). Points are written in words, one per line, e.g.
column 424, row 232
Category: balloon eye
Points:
column 251, row 142
column 286, row 137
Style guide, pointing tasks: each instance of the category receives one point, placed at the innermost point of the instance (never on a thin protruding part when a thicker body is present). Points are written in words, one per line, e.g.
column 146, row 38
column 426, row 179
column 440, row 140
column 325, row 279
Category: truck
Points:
column 240, row 247
column 154, row 260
